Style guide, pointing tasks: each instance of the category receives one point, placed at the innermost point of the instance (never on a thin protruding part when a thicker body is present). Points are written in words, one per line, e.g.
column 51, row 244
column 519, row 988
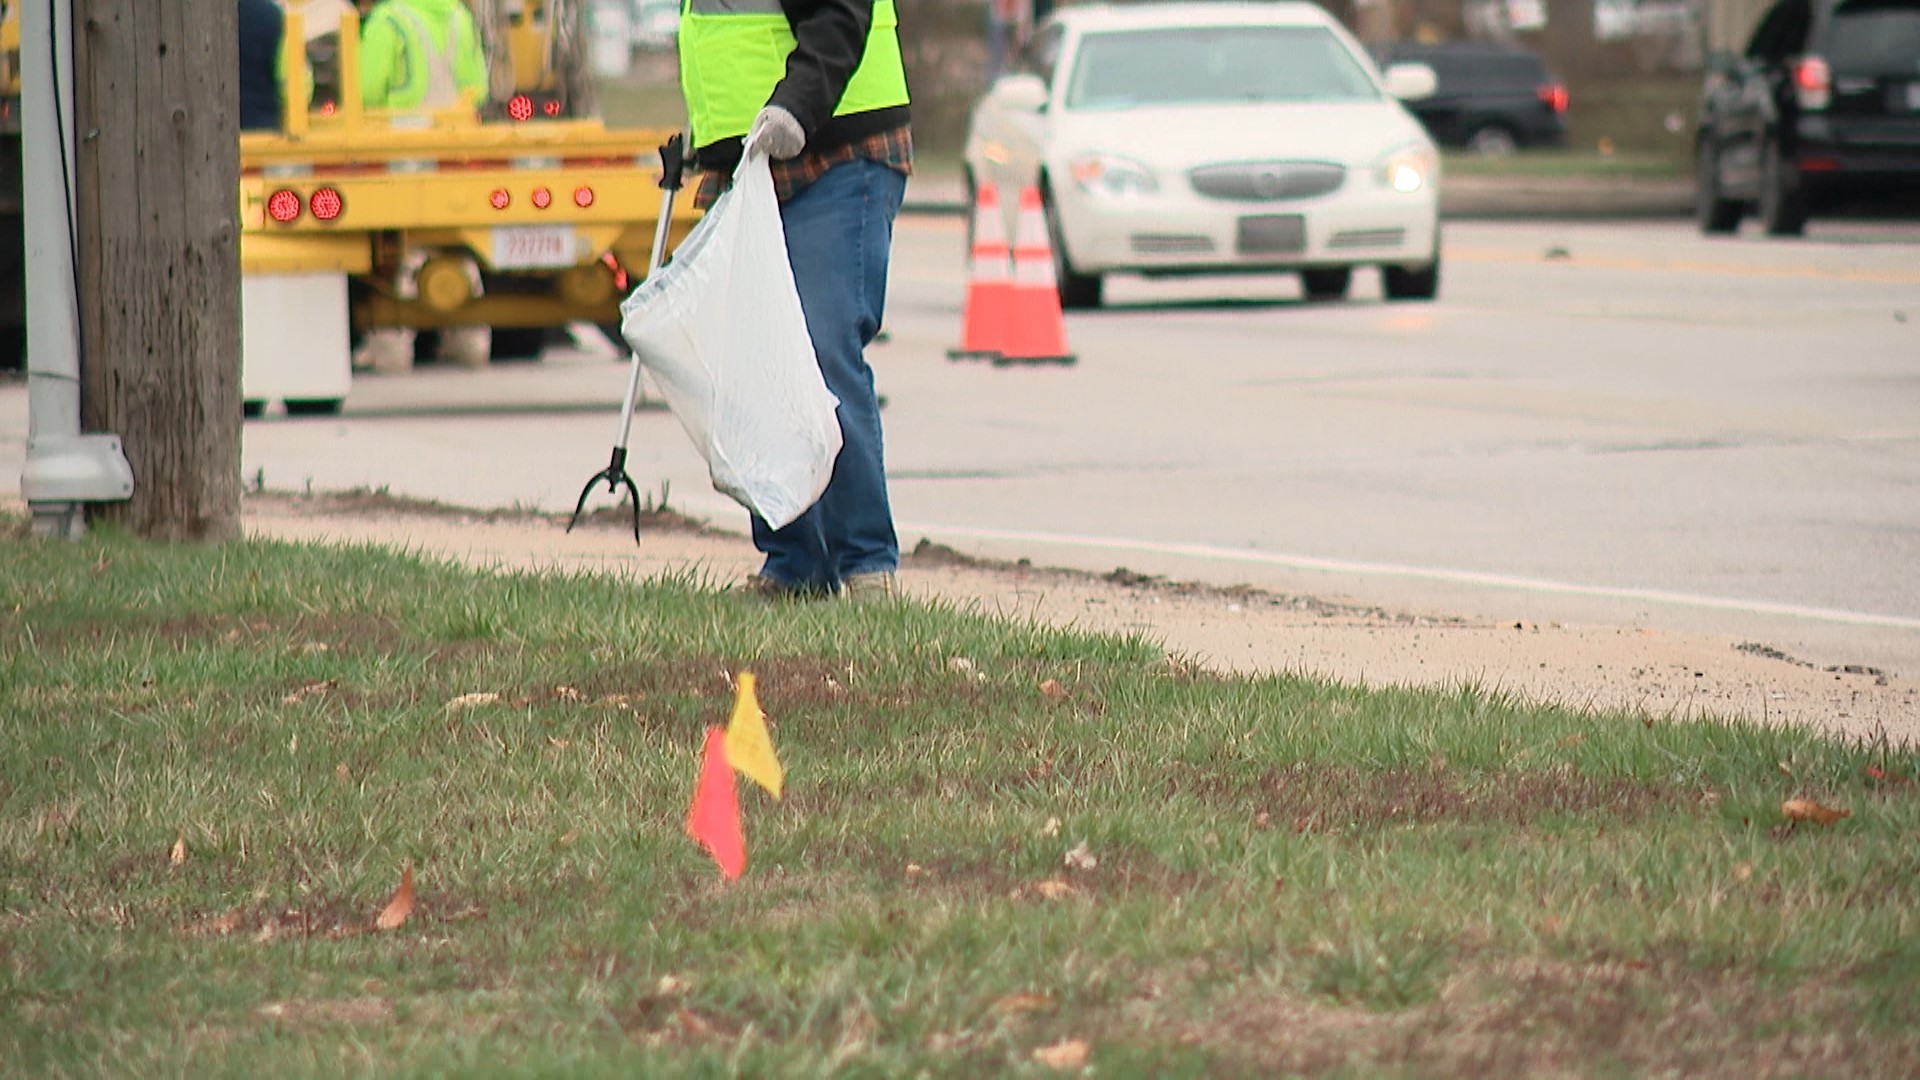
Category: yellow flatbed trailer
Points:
column 554, row 212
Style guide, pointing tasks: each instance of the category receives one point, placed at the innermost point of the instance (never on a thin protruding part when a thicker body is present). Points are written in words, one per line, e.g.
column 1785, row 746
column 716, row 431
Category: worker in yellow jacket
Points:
column 421, row 54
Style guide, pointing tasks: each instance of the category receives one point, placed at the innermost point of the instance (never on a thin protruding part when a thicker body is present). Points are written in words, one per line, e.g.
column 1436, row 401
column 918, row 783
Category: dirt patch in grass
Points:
column 367, row 502
column 1314, row 798
column 348, row 1012
column 1549, row 1018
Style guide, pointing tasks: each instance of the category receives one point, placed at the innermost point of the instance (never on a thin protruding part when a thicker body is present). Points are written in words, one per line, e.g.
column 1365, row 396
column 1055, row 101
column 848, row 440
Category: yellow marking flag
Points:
column 749, row 748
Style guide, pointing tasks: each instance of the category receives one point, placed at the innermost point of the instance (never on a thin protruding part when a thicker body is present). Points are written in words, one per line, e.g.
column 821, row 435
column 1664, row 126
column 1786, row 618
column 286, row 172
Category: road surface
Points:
column 1608, row 423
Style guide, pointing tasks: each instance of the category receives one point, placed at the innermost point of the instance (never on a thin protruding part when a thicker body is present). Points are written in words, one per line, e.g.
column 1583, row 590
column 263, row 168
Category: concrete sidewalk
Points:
column 1461, row 198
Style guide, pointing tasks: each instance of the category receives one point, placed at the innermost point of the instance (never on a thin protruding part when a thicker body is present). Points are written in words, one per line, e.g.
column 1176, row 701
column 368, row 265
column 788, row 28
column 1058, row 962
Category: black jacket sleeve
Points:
column 831, row 37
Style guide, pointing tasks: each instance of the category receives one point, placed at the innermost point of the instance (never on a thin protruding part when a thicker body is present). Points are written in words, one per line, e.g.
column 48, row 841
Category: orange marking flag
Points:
column 714, row 818
column 749, row 747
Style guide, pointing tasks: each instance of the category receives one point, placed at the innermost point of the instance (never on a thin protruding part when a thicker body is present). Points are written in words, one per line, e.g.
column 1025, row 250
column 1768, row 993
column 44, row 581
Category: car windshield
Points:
column 1215, row 65
column 1876, row 37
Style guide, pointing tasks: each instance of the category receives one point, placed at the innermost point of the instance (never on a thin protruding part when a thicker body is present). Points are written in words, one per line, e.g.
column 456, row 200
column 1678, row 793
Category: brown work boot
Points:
column 861, row 588
column 771, row 590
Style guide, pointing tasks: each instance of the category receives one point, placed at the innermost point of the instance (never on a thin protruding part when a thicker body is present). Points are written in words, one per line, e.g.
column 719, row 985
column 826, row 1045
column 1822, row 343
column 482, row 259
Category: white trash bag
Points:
column 720, row 328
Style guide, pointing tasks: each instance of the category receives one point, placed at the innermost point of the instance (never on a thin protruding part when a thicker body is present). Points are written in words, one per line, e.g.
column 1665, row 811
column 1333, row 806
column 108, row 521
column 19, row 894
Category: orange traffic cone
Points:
column 983, row 321
column 1036, row 330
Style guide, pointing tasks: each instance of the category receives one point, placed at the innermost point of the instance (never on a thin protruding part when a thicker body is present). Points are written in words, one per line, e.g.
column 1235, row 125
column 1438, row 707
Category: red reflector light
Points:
column 542, row 198
column 552, row 107
column 326, row 204
column 500, row 198
column 283, row 206
column 520, row 107
column 1819, row 164
column 1813, row 83
column 327, row 108
column 583, row 197
column 1555, row 96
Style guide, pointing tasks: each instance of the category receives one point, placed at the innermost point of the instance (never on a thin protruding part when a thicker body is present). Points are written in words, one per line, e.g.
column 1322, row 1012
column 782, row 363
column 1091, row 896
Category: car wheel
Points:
column 1783, row 209
column 1327, row 283
column 519, row 342
column 622, row 352
column 1077, row 291
column 1715, row 213
column 1493, row 140
column 1412, row 282
column 313, row 406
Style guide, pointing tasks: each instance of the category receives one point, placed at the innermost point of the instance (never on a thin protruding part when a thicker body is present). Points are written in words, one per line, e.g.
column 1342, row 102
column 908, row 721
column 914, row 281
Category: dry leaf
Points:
column 567, row 838
column 1065, row 1055
column 1051, row 828
column 226, row 924
column 342, row 771
column 178, row 853
column 559, row 744
column 692, row 1023
column 568, row 693
column 1054, row 889
column 1052, row 690
column 914, row 869
column 1080, row 858
column 400, row 906
column 1014, row 1004
column 1743, row 872
column 312, row 689
column 1785, row 769
column 468, row 701
column 1808, row 810
column 1886, row 776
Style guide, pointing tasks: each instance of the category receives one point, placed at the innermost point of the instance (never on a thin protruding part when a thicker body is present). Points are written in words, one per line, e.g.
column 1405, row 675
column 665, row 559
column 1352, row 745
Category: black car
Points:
column 1492, row 99
column 1821, row 111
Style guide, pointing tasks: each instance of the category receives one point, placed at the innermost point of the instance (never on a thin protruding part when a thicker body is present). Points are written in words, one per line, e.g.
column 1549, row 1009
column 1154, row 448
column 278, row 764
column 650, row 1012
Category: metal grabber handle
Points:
column 672, row 168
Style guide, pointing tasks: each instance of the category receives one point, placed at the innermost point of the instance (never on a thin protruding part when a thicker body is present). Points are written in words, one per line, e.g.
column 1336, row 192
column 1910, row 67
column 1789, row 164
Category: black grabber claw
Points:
column 615, row 474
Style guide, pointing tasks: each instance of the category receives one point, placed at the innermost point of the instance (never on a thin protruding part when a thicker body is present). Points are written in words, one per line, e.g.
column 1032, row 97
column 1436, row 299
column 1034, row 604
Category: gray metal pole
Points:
column 65, row 470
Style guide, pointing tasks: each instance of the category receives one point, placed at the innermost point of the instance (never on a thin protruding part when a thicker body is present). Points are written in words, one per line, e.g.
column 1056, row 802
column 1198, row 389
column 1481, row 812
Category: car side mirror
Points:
column 1411, row 82
column 1022, row 92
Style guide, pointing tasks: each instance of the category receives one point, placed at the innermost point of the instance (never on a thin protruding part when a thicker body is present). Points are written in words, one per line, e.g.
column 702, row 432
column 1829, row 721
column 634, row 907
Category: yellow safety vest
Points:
column 734, row 52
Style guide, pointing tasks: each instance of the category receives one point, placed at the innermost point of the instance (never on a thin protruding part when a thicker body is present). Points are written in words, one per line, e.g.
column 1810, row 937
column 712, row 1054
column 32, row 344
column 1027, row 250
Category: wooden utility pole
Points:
column 158, row 175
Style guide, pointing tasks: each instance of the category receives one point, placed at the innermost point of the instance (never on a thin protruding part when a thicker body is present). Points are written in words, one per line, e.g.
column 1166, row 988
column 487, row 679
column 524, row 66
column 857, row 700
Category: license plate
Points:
column 1272, row 234
column 532, row 247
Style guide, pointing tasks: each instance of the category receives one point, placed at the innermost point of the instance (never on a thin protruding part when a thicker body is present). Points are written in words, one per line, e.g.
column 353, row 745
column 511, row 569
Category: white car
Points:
column 1202, row 138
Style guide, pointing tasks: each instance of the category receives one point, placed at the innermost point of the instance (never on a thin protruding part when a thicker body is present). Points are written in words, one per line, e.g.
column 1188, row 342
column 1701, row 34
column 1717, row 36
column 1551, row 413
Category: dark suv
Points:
column 1822, row 110
column 1492, row 99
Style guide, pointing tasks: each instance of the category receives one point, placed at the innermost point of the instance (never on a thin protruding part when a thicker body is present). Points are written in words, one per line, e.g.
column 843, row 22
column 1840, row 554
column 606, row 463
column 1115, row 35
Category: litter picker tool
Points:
column 672, row 166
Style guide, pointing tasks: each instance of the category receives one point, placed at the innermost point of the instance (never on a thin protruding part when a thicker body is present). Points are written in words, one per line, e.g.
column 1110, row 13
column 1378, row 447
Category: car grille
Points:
column 1267, row 181
column 1367, row 238
column 1170, row 244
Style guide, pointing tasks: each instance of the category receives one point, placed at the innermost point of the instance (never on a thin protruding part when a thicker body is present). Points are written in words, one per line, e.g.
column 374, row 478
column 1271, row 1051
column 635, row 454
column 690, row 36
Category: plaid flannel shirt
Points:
column 892, row 148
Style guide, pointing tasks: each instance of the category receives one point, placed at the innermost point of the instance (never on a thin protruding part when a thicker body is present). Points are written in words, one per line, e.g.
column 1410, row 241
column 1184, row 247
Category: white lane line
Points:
column 1426, row 573
column 720, row 510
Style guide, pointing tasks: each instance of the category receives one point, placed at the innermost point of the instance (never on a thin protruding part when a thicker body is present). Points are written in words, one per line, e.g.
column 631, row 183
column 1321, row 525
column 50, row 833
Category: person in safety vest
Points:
column 262, row 27
column 818, row 87
column 421, row 54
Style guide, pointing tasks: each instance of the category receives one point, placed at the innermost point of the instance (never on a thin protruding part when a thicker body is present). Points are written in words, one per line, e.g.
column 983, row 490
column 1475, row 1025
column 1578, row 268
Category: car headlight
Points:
column 1409, row 168
column 1111, row 174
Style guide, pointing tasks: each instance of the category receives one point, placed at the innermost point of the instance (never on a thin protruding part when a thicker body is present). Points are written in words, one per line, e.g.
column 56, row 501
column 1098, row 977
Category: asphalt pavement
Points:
column 1620, row 424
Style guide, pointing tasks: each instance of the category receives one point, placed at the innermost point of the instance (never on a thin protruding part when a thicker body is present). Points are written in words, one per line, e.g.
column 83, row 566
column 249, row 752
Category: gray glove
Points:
column 776, row 134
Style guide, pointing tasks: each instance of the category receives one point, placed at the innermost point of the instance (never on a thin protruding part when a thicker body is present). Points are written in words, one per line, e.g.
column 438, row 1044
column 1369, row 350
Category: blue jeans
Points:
column 839, row 234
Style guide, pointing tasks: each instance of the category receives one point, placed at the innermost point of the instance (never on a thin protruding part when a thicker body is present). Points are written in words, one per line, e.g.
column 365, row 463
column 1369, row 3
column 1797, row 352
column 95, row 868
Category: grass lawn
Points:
column 1003, row 848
